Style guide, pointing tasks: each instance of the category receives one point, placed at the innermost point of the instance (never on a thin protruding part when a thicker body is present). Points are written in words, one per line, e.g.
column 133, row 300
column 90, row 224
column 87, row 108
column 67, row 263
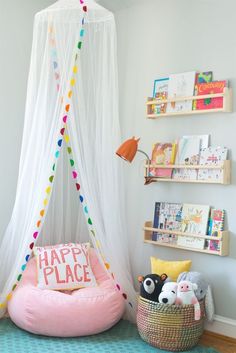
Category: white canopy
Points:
column 73, row 86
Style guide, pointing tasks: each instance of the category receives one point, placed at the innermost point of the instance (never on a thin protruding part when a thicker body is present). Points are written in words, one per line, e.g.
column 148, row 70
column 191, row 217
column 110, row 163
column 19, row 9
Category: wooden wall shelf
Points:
column 224, row 240
column 227, row 104
column 225, row 167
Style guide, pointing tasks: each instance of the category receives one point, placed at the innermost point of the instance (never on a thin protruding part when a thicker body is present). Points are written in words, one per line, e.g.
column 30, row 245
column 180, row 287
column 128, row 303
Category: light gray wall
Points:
column 157, row 38
column 16, row 26
column 154, row 39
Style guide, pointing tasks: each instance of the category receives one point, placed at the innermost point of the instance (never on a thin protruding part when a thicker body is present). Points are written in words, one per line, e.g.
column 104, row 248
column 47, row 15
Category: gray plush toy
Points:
column 203, row 290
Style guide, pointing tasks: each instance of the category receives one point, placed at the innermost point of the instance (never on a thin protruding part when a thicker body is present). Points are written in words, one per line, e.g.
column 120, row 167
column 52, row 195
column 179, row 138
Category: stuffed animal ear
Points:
column 140, row 279
column 182, row 276
column 163, row 276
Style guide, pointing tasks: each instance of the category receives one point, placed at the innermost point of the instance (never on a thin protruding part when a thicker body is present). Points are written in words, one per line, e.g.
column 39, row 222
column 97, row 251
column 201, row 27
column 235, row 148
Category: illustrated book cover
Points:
column 210, row 88
column 162, row 153
column 194, row 221
column 188, row 153
column 212, row 156
column 201, row 77
column 216, row 225
column 168, row 217
column 160, row 91
column 181, row 85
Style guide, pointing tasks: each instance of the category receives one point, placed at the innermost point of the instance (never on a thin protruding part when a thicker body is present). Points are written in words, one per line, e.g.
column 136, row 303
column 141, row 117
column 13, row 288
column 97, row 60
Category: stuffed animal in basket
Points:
column 203, row 291
column 169, row 293
column 151, row 286
column 186, row 295
column 199, row 279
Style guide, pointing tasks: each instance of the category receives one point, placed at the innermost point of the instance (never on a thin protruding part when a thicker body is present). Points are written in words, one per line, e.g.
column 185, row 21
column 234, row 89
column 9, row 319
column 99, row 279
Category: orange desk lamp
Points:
column 128, row 150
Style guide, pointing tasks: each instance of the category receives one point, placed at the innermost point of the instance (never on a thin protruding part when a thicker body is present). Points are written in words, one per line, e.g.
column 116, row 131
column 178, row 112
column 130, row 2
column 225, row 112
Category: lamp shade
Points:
column 128, row 149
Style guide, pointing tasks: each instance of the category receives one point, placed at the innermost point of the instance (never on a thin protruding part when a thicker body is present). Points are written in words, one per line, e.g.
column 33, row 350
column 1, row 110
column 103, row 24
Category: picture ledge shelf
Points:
column 227, row 104
column 225, row 167
column 224, row 240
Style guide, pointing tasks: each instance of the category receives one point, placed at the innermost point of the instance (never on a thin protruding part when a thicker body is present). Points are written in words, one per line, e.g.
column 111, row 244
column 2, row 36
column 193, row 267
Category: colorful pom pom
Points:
column 48, row 190
column 74, row 174
column 51, row 178
column 35, row 235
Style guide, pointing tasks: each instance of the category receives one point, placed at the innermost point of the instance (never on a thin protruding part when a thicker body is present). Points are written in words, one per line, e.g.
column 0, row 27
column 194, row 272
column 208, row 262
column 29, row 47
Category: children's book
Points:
column 194, row 221
column 190, row 242
column 209, row 88
column 195, row 218
column 201, row 77
column 156, row 220
column 204, row 140
column 216, row 225
column 170, row 216
column 160, row 91
column 181, row 85
column 167, row 216
column 188, row 153
column 162, row 153
column 212, row 156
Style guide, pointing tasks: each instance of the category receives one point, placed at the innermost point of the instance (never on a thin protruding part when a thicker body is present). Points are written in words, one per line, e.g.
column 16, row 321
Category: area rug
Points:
column 123, row 338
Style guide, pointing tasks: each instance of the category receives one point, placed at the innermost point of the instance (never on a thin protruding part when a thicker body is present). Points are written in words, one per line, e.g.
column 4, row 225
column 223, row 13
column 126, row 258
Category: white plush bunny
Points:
column 169, row 293
column 186, row 295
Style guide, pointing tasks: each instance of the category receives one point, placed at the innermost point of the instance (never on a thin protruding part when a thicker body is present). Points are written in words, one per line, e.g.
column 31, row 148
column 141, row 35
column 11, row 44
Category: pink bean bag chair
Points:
column 81, row 312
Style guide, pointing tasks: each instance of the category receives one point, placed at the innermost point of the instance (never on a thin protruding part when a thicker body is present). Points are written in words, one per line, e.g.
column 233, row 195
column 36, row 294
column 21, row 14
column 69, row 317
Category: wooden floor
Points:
column 221, row 343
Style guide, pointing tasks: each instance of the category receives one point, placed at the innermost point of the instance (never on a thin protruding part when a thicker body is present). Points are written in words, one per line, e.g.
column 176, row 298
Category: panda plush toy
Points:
column 151, row 286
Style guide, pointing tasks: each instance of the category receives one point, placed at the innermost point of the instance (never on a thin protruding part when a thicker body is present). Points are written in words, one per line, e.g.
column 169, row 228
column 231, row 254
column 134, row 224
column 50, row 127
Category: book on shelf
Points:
column 201, row 77
column 212, row 156
column 162, row 154
column 167, row 216
column 188, row 151
column 204, row 140
column 216, row 226
column 210, row 88
column 160, row 91
column 194, row 221
column 181, row 85
column 156, row 220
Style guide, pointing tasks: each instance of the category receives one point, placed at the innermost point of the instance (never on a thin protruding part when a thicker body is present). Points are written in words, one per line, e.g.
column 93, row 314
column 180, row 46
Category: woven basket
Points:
column 169, row 327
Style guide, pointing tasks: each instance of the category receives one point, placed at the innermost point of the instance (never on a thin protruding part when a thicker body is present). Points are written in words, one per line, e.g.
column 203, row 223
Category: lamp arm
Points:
column 144, row 154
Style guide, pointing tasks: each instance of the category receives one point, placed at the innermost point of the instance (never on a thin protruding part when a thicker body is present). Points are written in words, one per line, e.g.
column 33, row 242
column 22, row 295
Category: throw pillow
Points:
column 64, row 267
column 171, row 268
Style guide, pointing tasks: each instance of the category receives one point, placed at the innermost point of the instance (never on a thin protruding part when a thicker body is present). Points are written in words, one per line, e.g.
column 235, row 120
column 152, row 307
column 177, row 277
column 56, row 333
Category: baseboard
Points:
column 223, row 326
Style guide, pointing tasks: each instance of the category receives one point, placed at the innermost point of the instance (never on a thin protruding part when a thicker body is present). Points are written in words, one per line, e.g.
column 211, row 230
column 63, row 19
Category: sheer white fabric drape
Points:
column 93, row 127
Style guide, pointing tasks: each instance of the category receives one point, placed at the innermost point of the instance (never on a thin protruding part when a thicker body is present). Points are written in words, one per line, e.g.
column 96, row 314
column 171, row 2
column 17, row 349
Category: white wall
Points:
column 16, row 26
column 157, row 38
